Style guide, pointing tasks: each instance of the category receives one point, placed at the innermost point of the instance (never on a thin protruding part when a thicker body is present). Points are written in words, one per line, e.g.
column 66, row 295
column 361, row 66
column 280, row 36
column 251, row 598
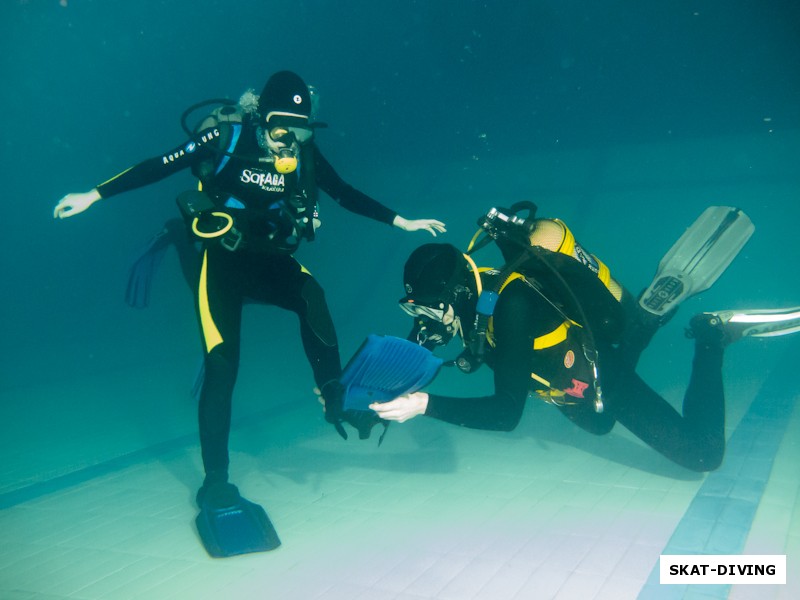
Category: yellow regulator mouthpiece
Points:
column 285, row 164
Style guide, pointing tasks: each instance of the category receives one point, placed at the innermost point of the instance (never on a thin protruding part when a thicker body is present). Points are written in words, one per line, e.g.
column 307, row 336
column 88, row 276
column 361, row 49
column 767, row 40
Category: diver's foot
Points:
column 727, row 326
column 218, row 495
column 229, row 524
column 214, row 484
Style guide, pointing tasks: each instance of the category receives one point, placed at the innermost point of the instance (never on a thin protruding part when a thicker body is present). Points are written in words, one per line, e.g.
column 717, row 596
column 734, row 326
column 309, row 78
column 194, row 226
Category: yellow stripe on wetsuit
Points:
column 118, row 175
column 211, row 334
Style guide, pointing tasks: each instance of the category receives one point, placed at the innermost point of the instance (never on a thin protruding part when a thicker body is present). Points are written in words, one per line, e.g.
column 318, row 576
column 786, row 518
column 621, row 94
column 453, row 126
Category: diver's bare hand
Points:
column 72, row 204
column 402, row 408
column 432, row 226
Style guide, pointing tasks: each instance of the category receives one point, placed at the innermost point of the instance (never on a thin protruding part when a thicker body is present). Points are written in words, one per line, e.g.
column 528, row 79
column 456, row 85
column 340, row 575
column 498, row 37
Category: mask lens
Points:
column 419, row 310
column 302, row 134
column 284, row 134
column 278, row 134
column 431, row 332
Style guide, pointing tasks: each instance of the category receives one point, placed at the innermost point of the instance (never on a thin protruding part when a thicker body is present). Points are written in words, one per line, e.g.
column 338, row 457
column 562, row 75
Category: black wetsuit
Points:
column 694, row 439
column 252, row 191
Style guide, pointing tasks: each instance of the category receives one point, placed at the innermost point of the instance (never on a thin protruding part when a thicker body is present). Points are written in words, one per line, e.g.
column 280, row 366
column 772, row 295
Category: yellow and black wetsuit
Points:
column 261, row 270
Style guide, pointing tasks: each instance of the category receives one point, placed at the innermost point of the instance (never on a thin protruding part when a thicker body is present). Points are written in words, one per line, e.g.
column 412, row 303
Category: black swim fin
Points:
column 230, row 525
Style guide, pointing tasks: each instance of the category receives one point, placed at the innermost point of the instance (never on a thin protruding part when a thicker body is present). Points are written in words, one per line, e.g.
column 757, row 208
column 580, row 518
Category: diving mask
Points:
column 437, row 325
column 286, row 135
column 444, row 313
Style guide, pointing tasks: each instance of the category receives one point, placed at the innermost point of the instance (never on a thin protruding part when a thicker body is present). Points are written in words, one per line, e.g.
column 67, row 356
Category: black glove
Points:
column 333, row 395
column 361, row 420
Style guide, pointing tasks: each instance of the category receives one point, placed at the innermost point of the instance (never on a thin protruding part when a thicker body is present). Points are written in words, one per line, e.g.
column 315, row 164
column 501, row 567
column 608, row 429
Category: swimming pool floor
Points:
column 436, row 512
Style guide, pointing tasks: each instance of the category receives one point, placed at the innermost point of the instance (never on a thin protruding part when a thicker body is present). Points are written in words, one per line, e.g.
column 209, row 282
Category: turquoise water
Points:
column 623, row 118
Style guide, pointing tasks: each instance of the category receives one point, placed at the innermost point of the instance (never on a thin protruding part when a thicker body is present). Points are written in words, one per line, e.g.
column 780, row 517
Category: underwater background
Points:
column 623, row 118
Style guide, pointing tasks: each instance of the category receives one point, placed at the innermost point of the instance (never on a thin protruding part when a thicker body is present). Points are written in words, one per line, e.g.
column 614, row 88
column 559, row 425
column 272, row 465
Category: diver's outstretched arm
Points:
column 72, row 204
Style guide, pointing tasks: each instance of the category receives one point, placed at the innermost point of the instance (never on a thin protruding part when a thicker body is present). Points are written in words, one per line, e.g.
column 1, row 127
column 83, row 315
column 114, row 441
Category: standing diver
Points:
column 554, row 324
column 259, row 170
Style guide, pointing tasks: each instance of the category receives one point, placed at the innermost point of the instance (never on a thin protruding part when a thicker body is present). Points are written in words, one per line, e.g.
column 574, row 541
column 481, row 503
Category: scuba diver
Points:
column 554, row 324
column 260, row 170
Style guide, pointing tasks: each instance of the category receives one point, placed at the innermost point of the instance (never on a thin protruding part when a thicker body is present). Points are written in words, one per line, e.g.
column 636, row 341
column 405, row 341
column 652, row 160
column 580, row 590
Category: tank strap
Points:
column 547, row 340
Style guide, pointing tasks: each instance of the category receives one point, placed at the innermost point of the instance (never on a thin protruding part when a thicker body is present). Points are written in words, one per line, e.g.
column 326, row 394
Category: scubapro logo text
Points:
column 263, row 180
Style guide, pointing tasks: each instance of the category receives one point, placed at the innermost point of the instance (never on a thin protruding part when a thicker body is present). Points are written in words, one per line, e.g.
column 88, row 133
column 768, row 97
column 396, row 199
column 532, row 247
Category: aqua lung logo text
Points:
column 271, row 182
column 190, row 147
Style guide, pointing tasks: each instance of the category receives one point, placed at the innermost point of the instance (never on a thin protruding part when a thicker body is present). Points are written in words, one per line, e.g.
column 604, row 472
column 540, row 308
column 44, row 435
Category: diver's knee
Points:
column 218, row 363
column 710, row 461
column 601, row 427
column 708, row 458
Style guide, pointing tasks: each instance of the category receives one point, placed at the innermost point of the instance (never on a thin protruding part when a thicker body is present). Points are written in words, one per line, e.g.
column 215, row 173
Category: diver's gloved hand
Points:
column 331, row 396
column 363, row 421
column 72, row 204
column 402, row 408
column 432, row 226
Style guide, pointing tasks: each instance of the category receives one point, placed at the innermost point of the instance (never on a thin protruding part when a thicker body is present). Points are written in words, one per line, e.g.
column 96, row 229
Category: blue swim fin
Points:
column 230, row 525
column 143, row 268
column 698, row 258
column 199, row 380
column 386, row 367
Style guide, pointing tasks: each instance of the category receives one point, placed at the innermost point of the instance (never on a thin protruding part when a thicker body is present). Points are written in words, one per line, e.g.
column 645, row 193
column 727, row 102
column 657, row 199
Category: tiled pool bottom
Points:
column 436, row 512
